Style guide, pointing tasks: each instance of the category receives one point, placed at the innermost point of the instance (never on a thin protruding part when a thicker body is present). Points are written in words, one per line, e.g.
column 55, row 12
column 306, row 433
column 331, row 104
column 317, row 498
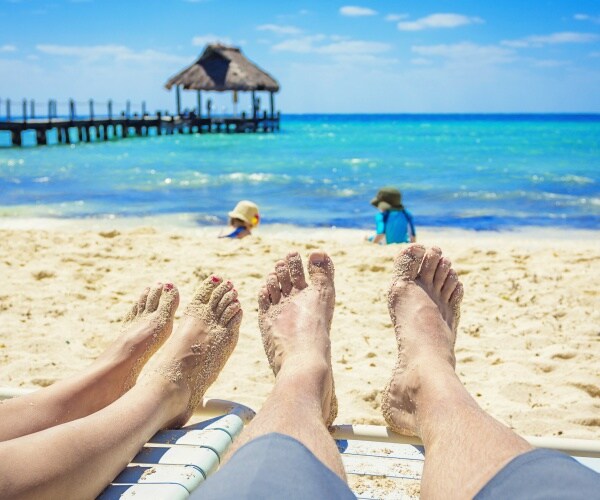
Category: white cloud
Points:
column 8, row 48
column 115, row 52
column 300, row 45
column 587, row 17
column 332, row 45
column 395, row 17
column 356, row 11
column 466, row 52
column 550, row 63
column 202, row 40
column 552, row 39
column 434, row 21
column 421, row 61
column 279, row 29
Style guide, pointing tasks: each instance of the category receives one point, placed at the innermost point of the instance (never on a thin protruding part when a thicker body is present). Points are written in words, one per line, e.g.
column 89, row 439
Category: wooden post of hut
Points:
column 178, row 99
column 272, row 99
column 24, row 110
column 7, row 110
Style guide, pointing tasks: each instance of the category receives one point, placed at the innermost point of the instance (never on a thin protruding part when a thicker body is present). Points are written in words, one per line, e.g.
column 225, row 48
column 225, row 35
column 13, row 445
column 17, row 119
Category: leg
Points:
column 145, row 328
column 79, row 458
column 295, row 320
column 424, row 396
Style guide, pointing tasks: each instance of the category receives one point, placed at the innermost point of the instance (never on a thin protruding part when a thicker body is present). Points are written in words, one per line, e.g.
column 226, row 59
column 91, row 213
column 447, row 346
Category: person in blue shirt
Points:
column 394, row 224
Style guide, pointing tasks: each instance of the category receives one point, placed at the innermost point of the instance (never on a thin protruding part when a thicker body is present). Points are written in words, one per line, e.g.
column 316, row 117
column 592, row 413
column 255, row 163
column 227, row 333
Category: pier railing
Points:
column 101, row 121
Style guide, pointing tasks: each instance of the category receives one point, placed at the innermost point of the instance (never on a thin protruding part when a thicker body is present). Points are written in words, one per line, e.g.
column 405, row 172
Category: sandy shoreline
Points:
column 528, row 345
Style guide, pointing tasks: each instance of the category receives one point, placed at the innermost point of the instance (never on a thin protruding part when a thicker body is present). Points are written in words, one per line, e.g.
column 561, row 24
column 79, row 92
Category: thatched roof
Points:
column 223, row 68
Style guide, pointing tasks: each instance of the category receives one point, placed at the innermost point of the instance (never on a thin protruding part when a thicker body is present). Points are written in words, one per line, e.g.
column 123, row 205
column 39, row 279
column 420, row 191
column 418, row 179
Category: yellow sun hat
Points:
column 246, row 211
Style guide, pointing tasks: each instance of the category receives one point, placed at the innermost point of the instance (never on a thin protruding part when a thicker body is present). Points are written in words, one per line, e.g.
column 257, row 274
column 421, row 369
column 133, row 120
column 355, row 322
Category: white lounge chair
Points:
column 380, row 464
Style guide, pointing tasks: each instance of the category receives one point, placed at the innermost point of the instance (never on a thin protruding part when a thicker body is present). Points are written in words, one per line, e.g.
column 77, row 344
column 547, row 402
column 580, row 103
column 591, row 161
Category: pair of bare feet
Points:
column 190, row 358
column 424, row 304
column 295, row 318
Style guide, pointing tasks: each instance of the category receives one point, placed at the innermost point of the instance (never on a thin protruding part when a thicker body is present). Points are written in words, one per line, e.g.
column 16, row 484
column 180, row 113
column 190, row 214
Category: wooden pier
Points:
column 94, row 128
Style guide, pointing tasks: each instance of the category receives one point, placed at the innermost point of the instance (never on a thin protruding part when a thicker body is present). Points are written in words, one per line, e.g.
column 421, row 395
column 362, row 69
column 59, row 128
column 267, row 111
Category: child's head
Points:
column 387, row 198
column 245, row 214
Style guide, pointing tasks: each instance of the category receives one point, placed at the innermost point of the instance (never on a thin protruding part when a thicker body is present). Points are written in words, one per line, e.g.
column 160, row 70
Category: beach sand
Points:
column 528, row 345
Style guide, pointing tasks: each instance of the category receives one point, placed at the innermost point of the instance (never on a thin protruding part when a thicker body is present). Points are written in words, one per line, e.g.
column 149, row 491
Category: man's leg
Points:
column 464, row 446
column 79, row 458
column 145, row 328
column 295, row 320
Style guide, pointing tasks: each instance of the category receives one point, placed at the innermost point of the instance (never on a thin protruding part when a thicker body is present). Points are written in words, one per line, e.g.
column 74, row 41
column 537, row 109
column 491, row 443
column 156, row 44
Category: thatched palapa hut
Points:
column 221, row 68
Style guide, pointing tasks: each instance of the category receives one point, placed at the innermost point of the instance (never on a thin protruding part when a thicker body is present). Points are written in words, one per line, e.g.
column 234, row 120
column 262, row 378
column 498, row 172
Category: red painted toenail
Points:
column 169, row 286
column 215, row 279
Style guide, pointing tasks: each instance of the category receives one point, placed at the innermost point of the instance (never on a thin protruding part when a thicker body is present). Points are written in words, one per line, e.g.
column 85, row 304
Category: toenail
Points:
column 169, row 286
column 215, row 279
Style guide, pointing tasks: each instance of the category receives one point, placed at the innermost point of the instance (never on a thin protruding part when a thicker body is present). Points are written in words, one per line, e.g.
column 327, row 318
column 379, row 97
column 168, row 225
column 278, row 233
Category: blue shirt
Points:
column 397, row 225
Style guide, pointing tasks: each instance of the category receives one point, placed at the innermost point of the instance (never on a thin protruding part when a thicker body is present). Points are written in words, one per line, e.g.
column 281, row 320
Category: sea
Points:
column 480, row 172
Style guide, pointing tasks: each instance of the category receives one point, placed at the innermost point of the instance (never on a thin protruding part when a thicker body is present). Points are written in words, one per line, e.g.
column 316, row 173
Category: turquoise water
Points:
column 479, row 172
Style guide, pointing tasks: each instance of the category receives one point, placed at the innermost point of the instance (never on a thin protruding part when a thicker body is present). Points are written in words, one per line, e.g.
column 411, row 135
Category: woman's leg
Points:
column 79, row 458
column 145, row 328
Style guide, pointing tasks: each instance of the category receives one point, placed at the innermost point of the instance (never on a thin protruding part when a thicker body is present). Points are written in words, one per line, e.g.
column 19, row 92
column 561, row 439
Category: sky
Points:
column 363, row 56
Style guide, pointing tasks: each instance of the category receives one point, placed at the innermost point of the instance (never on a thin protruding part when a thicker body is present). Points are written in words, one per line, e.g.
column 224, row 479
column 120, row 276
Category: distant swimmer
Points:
column 393, row 223
column 242, row 219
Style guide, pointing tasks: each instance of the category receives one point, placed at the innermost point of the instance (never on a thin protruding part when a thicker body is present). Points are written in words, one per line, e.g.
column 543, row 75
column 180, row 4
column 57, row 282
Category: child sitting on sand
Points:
column 242, row 219
column 394, row 224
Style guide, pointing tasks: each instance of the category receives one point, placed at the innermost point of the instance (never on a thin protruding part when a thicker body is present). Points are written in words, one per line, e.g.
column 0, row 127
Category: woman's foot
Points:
column 193, row 357
column 295, row 320
column 424, row 304
column 114, row 372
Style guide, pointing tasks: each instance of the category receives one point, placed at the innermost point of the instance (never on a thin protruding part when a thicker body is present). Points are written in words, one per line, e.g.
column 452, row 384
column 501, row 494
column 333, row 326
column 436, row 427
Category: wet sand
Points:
column 528, row 344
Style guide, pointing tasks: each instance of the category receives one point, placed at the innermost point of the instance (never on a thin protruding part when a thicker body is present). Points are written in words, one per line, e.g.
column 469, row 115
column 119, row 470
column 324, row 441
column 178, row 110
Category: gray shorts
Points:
column 276, row 466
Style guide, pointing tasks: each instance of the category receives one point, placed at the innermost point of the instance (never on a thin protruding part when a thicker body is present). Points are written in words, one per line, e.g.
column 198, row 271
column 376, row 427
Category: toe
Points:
column 441, row 273
column 320, row 268
column 457, row 295
column 218, row 294
column 408, row 262
column 449, row 285
column 234, row 323
column 169, row 300
column 141, row 305
column 263, row 299
column 429, row 265
column 230, row 311
column 206, row 288
column 294, row 263
column 273, row 288
column 227, row 299
column 154, row 297
column 131, row 314
column 283, row 275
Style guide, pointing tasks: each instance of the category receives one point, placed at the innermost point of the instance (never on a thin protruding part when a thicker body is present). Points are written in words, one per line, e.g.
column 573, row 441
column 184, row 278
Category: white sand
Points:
column 528, row 346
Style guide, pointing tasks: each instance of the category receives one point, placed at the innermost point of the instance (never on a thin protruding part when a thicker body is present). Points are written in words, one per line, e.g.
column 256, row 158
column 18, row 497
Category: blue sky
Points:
column 329, row 56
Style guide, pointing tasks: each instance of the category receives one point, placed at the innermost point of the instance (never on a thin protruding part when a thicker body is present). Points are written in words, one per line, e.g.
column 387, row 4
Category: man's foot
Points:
column 193, row 357
column 295, row 319
column 424, row 304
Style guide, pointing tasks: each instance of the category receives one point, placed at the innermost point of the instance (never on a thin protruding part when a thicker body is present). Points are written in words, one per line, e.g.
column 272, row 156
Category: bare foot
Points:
column 295, row 318
column 144, row 329
column 113, row 373
column 424, row 304
column 193, row 357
